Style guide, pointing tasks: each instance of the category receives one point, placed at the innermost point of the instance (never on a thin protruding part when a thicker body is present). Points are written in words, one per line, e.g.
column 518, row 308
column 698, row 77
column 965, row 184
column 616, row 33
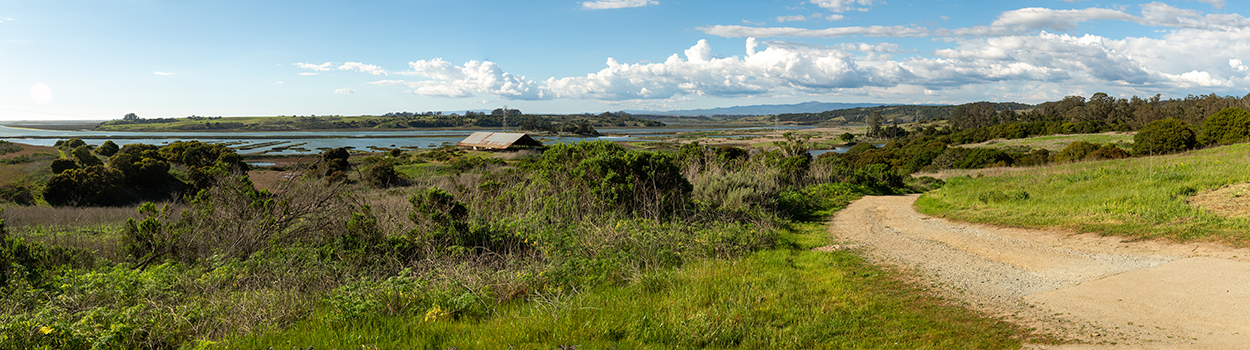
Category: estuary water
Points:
column 306, row 142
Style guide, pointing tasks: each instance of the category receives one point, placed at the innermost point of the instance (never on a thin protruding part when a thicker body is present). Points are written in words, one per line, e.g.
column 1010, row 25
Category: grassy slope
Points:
column 787, row 298
column 1139, row 197
column 1056, row 142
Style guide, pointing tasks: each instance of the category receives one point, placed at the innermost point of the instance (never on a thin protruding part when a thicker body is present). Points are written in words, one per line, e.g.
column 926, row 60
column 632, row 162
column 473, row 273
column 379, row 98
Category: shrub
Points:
column 83, row 156
column 980, row 157
column 1230, row 125
column 1075, row 151
column 71, row 143
column 107, row 149
column 60, row 165
column 1164, row 136
column 617, row 177
column 90, row 186
column 17, row 193
column 382, row 175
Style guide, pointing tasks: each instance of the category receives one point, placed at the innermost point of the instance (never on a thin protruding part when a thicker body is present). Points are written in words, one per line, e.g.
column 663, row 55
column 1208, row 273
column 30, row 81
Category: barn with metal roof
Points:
column 498, row 141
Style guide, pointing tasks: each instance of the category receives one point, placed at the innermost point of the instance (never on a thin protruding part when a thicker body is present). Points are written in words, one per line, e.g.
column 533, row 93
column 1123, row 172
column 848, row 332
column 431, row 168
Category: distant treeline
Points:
column 1101, row 111
column 902, row 113
column 582, row 124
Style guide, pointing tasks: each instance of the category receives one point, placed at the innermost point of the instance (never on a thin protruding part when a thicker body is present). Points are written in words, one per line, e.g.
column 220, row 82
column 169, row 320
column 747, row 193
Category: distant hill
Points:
column 805, row 107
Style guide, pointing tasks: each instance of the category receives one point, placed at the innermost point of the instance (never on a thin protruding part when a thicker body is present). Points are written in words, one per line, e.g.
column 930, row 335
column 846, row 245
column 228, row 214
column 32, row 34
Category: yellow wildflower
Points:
column 45, row 329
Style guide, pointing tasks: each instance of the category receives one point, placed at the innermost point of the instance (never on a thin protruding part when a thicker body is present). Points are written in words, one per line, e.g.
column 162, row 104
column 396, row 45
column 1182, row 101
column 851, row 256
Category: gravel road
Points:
column 1099, row 292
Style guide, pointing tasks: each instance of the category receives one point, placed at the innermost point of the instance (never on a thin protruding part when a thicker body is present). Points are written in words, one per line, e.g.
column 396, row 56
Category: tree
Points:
column 847, row 137
column 874, row 124
column 1164, row 136
column 130, row 116
column 1230, row 125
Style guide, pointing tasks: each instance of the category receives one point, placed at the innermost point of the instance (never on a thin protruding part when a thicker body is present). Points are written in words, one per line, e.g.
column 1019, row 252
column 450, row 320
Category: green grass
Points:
column 1137, row 197
column 1057, row 142
column 789, row 298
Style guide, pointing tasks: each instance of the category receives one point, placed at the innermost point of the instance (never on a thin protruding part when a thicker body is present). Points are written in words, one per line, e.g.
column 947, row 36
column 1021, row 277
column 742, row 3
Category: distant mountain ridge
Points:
column 805, row 107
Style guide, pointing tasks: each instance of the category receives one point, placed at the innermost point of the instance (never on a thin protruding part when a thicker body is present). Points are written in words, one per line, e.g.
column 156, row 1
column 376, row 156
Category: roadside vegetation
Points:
column 1140, row 197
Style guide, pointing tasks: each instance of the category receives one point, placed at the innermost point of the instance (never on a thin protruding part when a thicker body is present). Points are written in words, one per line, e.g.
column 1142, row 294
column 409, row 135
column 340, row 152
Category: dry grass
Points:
column 29, row 149
column 67, row 217
column 1231, row 200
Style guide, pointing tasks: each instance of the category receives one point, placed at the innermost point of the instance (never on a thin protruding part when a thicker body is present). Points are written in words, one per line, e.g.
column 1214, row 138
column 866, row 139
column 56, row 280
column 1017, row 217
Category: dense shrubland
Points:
column 353, row 239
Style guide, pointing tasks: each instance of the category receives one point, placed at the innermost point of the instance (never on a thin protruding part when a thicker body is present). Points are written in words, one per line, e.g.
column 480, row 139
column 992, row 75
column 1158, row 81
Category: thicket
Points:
column 134, row 172
column 232, row 259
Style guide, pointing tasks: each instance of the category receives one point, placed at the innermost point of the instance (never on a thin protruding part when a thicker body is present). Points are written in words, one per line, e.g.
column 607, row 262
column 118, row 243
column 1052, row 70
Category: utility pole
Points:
column 505, row 117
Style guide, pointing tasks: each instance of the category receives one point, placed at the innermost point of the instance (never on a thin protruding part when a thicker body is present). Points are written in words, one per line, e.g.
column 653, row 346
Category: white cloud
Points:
column 316, row 67
column 1238, row 66
column 163, row 73
column 836, row 32
column 280, row 82
column 345, row 91
column 448, row 80
column 753, row 23
column 616, row 4
column 308, row 73
column 363, row 68
column 834, row 17
column 843, row 5
column 795, row 18
column 1219, row 4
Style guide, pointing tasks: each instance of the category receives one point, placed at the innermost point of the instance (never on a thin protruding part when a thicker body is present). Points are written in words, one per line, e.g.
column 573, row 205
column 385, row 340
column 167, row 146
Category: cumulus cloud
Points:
column 1028, row 66
column 163, row 73
column 363, row 68
column 843, row 5
column 345, row 91
column 1238, row 66
column 1014, row 22
column 316, row 67
column 616, row 4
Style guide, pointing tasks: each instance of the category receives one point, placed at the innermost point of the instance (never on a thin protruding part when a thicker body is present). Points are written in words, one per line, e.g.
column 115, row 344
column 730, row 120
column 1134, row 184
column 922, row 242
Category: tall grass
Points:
column 791, row 298
column 1140, row 197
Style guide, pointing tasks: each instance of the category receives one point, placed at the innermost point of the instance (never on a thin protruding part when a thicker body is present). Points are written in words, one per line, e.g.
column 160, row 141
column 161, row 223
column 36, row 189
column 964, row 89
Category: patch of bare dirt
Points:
column 1097, row 292
column 1230, row 200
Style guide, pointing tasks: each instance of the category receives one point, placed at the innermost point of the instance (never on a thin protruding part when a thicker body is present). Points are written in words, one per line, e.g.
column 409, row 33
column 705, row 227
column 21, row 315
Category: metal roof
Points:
column 498, row 140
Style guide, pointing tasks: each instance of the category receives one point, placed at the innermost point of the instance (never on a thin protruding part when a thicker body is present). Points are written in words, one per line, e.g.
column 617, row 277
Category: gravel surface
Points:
column 1098, row 292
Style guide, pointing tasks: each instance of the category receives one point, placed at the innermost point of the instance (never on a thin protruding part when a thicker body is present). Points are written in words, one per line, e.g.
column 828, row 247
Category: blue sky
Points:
column 101, row 59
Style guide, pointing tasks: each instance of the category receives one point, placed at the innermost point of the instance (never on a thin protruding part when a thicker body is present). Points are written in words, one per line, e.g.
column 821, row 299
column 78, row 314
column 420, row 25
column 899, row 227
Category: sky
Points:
column 101, row 59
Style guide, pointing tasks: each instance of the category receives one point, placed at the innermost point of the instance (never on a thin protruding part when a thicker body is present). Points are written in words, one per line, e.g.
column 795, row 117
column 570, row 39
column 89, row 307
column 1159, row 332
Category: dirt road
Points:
column 1102, row 292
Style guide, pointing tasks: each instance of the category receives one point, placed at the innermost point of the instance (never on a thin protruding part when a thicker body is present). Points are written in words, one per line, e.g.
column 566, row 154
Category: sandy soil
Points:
column 1098, row 292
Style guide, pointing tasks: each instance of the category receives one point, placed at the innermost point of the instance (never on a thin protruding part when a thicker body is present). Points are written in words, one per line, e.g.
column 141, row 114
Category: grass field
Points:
column 1057, row 142
column 788, row 298
column 1145, row 197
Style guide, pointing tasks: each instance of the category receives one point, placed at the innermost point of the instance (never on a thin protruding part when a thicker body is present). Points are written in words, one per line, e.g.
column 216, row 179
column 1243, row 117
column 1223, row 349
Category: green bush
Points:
column 107, row 149
column 382, row 174
column 91, row 186
column 1227, row 126
column 617, row 178
column 83, row 156
column 17, row 193
column 60, row 165
column 1164, row 136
